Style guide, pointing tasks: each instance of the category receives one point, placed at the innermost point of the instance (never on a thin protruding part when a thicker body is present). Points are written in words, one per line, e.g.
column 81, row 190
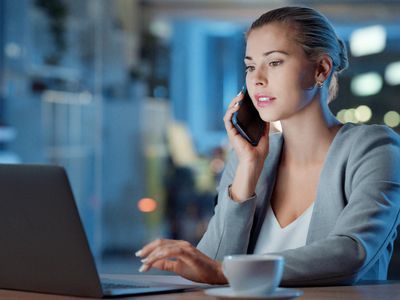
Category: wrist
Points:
column 248, row 161
column 240, row 195
column 244, row 183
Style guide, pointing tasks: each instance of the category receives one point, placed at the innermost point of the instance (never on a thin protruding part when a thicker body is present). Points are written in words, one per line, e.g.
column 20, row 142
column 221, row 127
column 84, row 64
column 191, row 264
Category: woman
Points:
column 325, row 195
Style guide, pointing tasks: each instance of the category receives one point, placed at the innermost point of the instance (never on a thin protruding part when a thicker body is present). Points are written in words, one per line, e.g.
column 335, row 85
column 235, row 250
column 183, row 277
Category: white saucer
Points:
column 228, row 293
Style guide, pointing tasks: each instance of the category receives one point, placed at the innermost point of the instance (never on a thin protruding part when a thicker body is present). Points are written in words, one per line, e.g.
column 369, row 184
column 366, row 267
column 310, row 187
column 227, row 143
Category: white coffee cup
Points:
column 253, row 274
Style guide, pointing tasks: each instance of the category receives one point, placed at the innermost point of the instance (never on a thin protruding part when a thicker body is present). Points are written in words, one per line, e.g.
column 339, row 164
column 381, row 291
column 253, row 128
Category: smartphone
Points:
column 247, row 120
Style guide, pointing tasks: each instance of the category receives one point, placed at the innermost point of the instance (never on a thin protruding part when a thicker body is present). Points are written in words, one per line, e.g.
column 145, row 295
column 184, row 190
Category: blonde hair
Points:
column 314, row 33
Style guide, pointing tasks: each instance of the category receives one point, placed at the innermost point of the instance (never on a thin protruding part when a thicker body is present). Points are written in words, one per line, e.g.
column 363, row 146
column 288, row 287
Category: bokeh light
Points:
column 340, row 115
column 368, row 40
column 392, row 119
column 363, row 113
column 366, row 84
column 12, row 50
column 350, row 116
column 147, row 205
column 392, row 73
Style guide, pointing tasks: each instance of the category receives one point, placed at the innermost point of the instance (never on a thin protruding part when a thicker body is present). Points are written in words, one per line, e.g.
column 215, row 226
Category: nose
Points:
column 259, row 77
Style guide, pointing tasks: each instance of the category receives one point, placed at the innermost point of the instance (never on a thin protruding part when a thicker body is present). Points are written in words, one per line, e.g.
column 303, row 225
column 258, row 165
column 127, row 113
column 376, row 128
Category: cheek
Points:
column 306, row 79
column 289, row 78
column 295, row 88
column 300, row 83
column 288, row 83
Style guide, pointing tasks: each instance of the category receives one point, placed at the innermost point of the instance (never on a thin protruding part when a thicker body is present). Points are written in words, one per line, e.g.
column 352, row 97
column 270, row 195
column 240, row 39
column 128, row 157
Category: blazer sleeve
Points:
column 366, row 226
column 228, row 231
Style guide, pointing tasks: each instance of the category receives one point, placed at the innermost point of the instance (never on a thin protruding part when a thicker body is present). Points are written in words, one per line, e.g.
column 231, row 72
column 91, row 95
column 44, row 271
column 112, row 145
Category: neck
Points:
column 308, row 135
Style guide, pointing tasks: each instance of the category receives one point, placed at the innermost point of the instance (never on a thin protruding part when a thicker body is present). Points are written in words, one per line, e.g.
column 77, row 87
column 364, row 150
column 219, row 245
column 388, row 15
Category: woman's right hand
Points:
column 183, row 259
column 251, row 159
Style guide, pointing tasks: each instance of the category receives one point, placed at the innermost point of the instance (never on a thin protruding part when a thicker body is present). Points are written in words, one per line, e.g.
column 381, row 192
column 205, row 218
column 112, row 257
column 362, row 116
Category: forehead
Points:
column 271, row 37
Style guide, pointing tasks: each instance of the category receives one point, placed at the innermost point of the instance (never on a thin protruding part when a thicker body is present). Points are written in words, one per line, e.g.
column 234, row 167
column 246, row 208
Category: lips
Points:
column 264, row 100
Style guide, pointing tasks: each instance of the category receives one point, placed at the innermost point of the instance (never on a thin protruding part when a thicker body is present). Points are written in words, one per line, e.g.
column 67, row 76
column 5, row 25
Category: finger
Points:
column 230, row 129
column 178, row 250
column 194, row 266
column 191, row 264
column 232, row 108
column 228, row 115
column 183, row 267
column 147, row 249
column 158, row 246
column 167, row 252
column 166, row 265
column 184, row 262
column 153, row 251
column 236, row 99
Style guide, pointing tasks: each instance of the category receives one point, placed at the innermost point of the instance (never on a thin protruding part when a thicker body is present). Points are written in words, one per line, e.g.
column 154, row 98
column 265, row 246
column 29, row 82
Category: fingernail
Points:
column 242, row 90
column 143, row 268
column 138, row 253
column 144, row 260
column 237, row 104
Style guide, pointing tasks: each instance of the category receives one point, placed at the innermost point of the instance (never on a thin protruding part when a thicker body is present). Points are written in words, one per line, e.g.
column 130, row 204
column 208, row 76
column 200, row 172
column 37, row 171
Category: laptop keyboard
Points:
column 111, row 285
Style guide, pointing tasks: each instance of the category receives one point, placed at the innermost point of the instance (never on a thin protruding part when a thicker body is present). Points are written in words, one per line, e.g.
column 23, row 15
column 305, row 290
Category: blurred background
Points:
column 129, row 96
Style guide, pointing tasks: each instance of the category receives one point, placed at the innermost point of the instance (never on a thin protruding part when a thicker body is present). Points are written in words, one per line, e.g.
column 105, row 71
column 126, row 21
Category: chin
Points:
column 269, row 118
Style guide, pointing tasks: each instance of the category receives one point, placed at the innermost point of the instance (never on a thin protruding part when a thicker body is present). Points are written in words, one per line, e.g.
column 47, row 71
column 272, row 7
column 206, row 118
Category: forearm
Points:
column 334, row 261
column 229, row 229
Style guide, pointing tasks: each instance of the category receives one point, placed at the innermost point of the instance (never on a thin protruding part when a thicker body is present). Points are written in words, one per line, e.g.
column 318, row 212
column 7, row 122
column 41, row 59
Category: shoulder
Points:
column 374, row 151
column 369, row 137
column 358, row 150
column 372, row 131
column 355, row 138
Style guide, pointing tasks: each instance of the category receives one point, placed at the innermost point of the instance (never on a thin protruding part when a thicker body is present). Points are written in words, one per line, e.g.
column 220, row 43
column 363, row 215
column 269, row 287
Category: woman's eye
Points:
column 275, row 63
column 249, row 69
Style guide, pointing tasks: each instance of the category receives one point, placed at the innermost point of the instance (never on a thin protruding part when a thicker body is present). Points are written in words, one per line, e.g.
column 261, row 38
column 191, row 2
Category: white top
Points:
column 274, row 238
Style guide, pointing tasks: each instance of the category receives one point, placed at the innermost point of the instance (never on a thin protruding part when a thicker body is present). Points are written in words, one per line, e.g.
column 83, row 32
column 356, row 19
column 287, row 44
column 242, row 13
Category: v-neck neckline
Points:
column 294, row 222
column 324, row 166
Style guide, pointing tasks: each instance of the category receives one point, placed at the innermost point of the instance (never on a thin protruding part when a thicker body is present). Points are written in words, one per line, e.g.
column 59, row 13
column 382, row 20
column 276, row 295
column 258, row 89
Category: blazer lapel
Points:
column 263, row 189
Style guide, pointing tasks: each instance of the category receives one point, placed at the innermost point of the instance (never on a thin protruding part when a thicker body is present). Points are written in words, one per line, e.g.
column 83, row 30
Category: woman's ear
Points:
column 324, row 68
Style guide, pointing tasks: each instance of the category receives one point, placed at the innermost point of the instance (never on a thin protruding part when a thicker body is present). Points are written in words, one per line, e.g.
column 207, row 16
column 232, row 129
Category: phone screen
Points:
column 248, row 121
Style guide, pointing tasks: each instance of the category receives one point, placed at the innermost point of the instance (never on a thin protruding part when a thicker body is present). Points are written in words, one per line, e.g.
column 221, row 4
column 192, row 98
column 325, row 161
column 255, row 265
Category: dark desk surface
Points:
column 372, row 291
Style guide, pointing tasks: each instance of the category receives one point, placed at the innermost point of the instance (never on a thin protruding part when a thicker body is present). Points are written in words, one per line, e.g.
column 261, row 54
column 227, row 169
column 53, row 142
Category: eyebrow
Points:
column 267, row 53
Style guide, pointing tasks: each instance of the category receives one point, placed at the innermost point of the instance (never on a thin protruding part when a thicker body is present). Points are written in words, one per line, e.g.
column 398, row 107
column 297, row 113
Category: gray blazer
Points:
column 355, row 216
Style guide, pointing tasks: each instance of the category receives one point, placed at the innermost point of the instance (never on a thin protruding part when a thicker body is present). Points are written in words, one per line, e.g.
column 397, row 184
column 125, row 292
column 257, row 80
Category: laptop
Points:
column 43, row 247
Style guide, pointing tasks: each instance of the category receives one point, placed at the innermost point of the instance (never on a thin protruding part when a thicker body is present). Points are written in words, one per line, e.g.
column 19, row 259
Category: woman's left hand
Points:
column 183, row 259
